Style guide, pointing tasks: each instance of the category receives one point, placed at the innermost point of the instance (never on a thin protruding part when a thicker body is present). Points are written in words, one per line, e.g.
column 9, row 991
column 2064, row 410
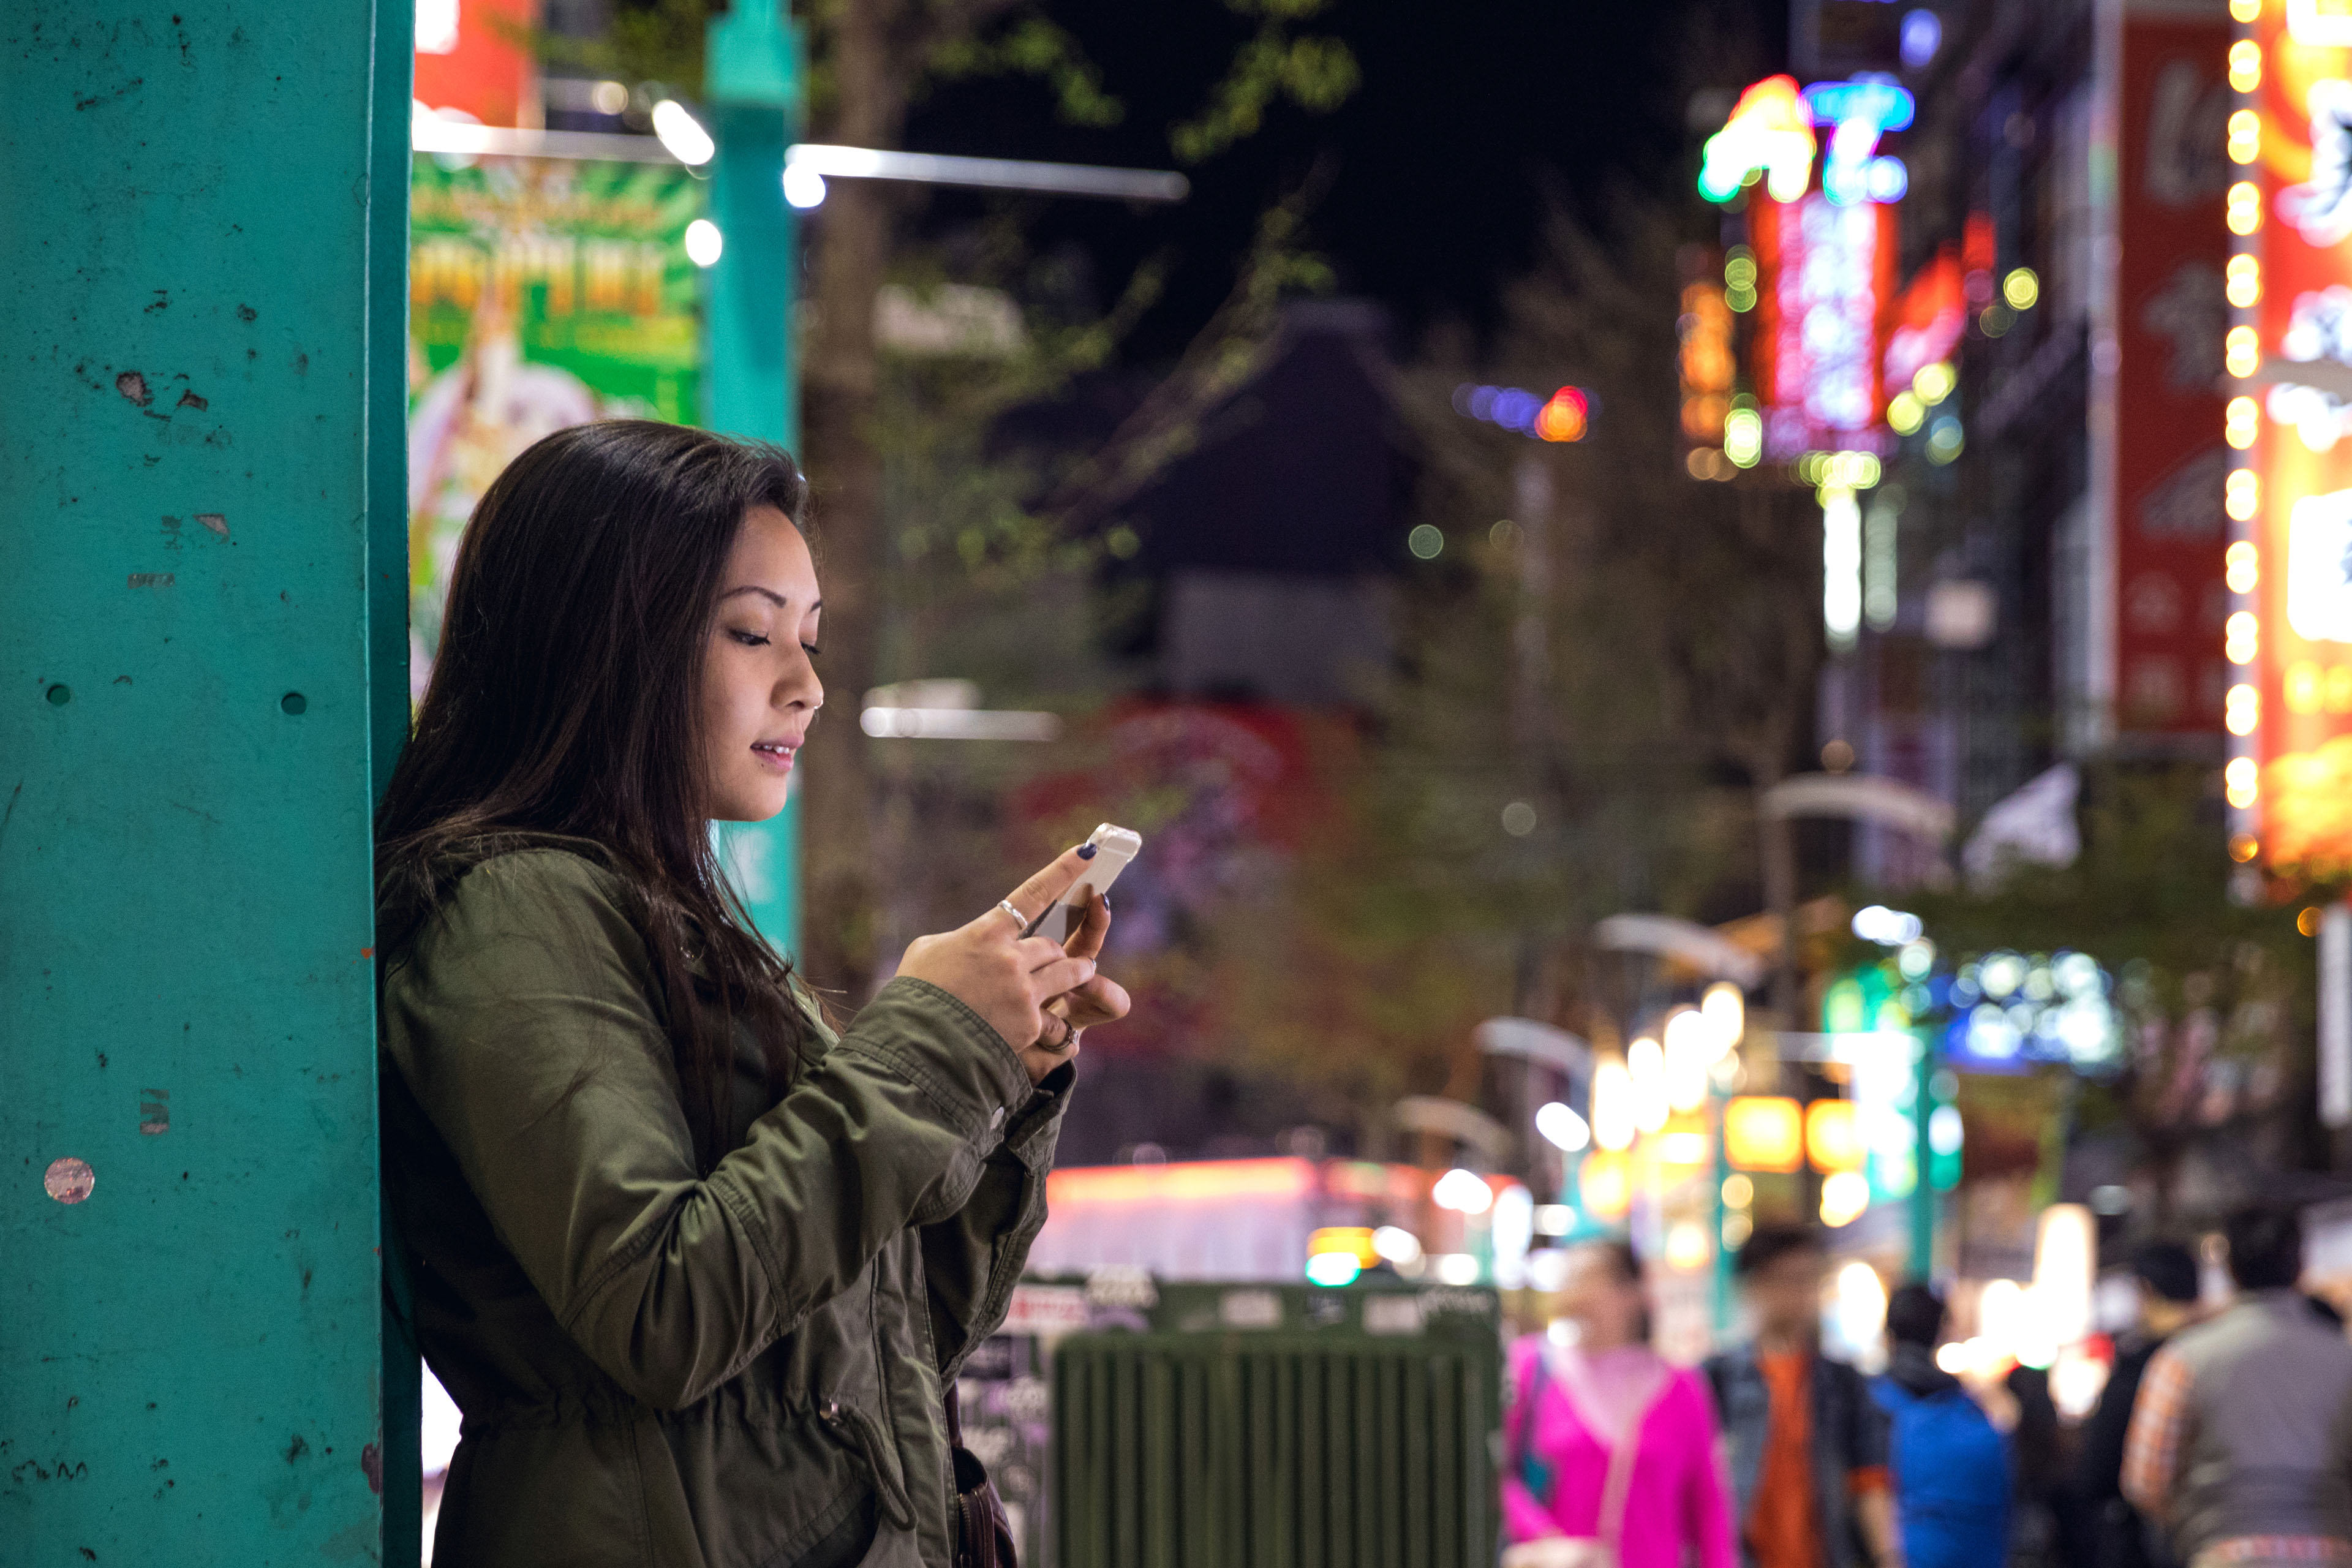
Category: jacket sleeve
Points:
column 972, row 1259
column 524, row 1024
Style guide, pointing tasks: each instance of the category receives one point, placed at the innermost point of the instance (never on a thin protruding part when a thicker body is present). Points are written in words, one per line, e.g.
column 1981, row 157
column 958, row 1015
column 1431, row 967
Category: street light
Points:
column 683, row 135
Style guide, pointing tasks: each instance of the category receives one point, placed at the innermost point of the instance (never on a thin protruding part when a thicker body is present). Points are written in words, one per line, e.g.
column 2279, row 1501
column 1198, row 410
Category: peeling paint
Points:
column 190, row 400
column 149, row 580
column 215, row 521
column 133, row 387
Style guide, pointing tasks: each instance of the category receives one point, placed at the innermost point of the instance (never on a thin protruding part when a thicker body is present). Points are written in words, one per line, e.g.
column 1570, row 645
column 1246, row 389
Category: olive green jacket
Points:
column 661, row 1368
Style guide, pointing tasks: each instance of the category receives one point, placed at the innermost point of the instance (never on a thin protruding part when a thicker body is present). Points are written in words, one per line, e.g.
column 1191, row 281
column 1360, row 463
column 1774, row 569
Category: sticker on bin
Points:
column 1391, row 1313
column 1045, row 1310
column 1250, row 1309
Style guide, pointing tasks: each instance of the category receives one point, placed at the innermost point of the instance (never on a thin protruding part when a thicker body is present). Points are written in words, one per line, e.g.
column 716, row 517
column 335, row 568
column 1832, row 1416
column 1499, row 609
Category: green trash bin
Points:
column 1252, row 1425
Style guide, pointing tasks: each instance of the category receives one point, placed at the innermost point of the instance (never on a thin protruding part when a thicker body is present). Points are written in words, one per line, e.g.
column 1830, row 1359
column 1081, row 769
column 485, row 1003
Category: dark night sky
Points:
column 1470, row 117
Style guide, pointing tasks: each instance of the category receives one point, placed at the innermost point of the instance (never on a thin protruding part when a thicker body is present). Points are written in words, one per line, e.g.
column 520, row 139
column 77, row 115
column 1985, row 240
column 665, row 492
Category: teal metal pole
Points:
column 752, row 91
column 1923, row 1187
column 194, row 466
column 1716, row 1101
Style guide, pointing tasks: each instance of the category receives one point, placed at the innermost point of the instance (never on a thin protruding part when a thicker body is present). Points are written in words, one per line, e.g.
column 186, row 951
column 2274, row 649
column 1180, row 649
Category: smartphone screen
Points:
column 1114, row 847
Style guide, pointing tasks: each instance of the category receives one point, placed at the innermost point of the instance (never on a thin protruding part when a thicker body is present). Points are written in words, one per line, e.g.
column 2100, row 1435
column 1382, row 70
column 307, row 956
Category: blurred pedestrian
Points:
column 2038, row 1456
column 1612, row 1456
column 1951, row 1467
column 2165, row 1275
column 1808, row 1443
column 2240, row 1442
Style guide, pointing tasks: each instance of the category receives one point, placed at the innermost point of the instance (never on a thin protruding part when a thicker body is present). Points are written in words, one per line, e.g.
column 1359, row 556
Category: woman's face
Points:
column 1605, row 1307
column 759, row 690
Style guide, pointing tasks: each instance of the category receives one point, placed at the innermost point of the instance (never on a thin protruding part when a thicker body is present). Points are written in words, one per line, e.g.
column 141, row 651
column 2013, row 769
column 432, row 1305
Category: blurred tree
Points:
column 2216, row 998
column 1601, row 668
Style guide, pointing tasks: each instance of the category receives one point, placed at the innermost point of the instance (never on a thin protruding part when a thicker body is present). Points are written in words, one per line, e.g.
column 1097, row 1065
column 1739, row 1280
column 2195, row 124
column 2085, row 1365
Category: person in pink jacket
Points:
column 1610, row 1452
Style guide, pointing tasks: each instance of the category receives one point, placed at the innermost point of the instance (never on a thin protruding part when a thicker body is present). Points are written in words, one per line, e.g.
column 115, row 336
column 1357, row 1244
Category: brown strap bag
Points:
column 983, row 1535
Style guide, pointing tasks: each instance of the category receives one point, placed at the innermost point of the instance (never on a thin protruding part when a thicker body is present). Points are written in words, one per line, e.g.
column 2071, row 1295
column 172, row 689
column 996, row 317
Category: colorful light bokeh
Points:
column 1826, row 269
column 1563, row 417
column 1770, row 135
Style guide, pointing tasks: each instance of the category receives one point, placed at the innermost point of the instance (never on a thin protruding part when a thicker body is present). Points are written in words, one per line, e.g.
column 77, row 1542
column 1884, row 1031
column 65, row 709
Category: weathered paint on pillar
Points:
column 189, row 1350
column 752, row 84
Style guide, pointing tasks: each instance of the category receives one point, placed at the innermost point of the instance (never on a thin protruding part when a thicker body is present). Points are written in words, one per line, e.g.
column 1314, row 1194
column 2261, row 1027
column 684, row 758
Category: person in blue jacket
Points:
column 1951, row 1465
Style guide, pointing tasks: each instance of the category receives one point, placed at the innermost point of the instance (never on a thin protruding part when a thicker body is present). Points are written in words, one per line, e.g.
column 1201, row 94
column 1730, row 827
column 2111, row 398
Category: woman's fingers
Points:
column 1101, row 1000
column 1036, row 952
column 1086, row 941
column 1064, row 974
column 1035, row 896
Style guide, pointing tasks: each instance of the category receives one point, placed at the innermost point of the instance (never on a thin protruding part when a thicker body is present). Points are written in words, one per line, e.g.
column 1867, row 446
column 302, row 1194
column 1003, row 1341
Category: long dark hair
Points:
column 564, row 699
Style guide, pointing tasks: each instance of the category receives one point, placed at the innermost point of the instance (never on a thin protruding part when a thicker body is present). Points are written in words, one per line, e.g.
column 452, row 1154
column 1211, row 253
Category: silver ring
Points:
column 1069, row 1035
column 1020, row 920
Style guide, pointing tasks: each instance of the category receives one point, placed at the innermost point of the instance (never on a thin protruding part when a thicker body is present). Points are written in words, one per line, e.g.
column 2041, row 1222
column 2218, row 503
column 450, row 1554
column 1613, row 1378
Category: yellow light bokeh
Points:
column 1763, row 1132
column 2241, row 781
column 2241, row 421
column 2242, row 496
column 1834, row 1136
column 2244, row 281
column 2241, row 352
column 1604, row 1182
column 2241, row 711
column 2245, row 136
column 2245, row 66
column 2245, row 212
column 2241, row 565
column 2241, row 637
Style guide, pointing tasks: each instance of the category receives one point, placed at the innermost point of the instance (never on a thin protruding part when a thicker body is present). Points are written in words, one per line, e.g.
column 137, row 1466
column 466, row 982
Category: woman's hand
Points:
column 1098, row 1001
column 1008, row 979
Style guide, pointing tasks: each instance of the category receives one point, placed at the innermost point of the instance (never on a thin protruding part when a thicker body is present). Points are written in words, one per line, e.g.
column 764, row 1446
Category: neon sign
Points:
column 1861, row 111
column 1826, row 268
column 2289, row 496
column 1770, row 133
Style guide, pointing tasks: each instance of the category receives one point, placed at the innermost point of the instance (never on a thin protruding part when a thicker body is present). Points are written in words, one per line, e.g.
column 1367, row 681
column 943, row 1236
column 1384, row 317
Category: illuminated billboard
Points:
column 1826, row 268
column 2288, row 355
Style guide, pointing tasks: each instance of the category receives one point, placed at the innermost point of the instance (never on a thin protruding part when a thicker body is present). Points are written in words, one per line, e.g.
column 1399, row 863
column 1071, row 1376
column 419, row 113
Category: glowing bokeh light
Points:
column 1770, row 133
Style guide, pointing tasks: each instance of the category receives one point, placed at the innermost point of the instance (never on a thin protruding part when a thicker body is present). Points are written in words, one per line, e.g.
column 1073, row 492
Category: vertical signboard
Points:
column 1826, row 271
column 543, row 294
column 2168, row 602
column 2288, row 353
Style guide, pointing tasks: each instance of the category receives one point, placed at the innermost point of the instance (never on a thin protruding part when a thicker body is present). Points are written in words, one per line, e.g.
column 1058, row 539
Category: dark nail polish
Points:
column 1085, row 851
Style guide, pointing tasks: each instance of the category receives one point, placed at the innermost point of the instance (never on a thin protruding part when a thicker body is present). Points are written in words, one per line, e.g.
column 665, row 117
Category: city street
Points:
column 1709, row 645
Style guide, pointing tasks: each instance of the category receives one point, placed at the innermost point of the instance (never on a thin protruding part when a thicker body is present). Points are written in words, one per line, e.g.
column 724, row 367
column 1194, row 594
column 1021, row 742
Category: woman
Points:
column 1610, row 1452
column 696, row 1270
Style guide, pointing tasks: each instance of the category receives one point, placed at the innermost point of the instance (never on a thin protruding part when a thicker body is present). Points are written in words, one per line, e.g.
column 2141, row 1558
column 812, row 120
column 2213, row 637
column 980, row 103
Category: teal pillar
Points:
column 1725, row 1259
column 1924, row 1163
column 752, row 91
column 198, row 492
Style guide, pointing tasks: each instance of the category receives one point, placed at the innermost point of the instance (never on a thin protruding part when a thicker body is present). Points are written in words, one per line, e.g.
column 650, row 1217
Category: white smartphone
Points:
column 1114, row 847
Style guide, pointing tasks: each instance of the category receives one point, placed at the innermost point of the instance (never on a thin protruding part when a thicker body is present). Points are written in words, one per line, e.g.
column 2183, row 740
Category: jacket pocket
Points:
column 859, row 1431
